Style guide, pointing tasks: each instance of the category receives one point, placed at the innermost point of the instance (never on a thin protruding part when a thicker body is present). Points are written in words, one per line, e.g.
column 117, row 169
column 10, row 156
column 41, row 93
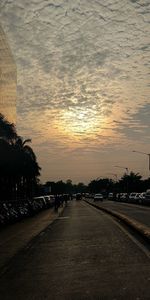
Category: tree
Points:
column 27, row 167
column 6, row 169
column 7, row 130
column 69, row 187
column 81, row 188
column 131, row 183
column 104, row 185
column 60, row 187
column 19, row 169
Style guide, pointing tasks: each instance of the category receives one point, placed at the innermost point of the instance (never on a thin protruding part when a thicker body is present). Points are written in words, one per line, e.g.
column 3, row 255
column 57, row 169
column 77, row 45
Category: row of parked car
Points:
column 139, row 198
column 11, row 212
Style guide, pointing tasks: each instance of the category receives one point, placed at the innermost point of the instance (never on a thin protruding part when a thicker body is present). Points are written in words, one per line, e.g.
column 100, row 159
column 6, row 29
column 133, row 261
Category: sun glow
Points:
column 80, row 121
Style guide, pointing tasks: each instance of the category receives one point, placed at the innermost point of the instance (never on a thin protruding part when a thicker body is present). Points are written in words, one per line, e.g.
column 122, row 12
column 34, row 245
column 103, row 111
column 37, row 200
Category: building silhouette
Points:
column 8, row 80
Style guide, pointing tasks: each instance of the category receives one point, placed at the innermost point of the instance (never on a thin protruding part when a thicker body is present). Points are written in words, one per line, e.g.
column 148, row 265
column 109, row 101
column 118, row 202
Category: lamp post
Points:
column 148, row 154
column 127, row 173
column 114, row 186
column 127, row 170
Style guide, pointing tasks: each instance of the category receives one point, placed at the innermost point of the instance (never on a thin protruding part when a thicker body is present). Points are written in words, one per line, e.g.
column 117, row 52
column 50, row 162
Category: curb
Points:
column 143, row 230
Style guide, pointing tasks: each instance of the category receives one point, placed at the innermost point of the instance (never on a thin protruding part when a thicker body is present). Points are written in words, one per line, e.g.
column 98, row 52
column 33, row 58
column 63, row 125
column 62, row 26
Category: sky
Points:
column 83, row 84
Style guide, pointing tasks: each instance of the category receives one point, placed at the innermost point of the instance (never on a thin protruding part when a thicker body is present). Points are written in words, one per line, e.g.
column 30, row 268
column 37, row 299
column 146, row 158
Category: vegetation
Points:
column 128, row 183
column 67, row 187
column 19, row 169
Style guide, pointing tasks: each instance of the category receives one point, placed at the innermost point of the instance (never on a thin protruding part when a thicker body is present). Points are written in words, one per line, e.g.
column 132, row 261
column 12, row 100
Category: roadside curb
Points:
column 143, row 230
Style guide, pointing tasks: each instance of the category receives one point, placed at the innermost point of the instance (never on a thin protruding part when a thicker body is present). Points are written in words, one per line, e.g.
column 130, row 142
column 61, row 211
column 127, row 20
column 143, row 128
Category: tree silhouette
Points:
column 104, row 185
column 26, row 166
column 19, row 168
column 7, row 130
column 131, row 183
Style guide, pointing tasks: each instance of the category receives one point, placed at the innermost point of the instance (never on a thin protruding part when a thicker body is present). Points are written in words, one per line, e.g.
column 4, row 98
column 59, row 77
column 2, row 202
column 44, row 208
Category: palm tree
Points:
column 5, row 169
column 19, row 169
column 7, row 130
column 27, row 168
column 130, row 183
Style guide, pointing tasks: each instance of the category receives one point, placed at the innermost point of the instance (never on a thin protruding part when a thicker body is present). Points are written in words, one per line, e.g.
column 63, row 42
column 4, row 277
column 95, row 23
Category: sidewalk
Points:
column 16, row 236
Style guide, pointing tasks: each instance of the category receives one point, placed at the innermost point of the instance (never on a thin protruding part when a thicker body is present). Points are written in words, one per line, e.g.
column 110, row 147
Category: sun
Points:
column 80, row 121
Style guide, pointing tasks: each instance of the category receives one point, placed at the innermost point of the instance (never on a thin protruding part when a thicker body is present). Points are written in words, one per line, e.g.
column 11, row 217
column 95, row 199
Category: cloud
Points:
column 82, row 71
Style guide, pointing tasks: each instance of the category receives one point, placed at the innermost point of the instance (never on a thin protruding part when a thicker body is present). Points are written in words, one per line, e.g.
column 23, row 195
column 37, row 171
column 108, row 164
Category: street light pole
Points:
column 127, row 173
column 127, row 170
column 148, row 154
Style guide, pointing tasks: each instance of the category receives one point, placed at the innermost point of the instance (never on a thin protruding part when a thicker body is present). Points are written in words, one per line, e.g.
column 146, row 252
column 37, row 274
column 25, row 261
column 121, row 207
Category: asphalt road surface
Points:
column 139, row 213
column 84, row 254
column 15, row 236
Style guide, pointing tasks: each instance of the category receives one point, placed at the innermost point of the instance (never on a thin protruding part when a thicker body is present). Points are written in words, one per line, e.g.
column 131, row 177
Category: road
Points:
column 84, row 254
column 16, row 236
column 139, row 213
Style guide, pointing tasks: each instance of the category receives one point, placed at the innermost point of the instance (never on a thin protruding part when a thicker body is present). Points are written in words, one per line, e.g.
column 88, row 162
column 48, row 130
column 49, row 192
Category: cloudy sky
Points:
column 83, row 84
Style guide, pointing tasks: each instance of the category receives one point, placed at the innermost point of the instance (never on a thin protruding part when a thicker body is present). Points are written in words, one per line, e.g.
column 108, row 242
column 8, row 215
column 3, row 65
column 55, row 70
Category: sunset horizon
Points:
column 82, row 85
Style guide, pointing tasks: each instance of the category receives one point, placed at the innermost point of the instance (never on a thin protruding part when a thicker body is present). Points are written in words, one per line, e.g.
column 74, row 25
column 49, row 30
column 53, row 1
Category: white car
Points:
column 132, row 197
column 98, row 197
column 110, row 196
column 137, row 197
column 123, row 197
column 142, row 197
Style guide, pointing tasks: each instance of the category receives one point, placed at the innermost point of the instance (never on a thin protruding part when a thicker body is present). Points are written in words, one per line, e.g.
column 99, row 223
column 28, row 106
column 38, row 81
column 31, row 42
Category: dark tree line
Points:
column 127, row 184
column 67, row 187
column 19, row 169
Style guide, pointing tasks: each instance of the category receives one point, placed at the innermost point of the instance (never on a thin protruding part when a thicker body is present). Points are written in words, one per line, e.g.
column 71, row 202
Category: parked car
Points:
column 98, row 197
column 110, row 196
column 137, row 197
column 132, row 197
column 78, row 196
column 117, row 197
column 38, row 203
column 147, row 197
column 142, row 198
column 124, row 197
